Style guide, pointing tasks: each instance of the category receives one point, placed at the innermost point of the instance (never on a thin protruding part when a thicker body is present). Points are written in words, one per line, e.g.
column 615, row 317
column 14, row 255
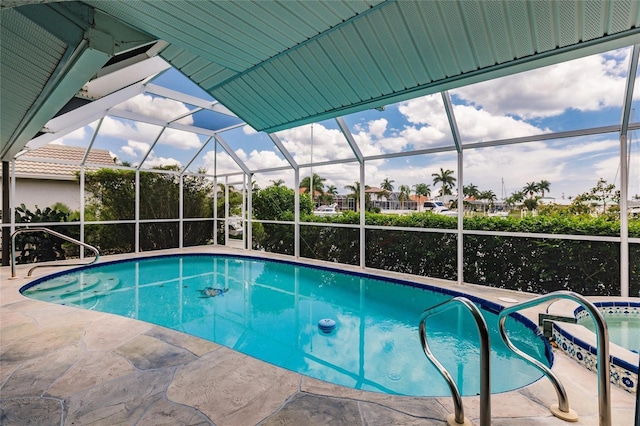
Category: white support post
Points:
column 137, row 212
column 215, row 210
column 460, row 250
column 12, row 196
column 181, row 213
column 362, row 218
column 296, row 214
column 249, row 235
column 82, row 206
column 226, row 210
column 624, row 218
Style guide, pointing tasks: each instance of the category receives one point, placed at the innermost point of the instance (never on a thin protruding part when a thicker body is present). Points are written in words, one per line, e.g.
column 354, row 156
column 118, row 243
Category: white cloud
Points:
column 156, row 107
column 248, row 130
column 160, row 161
column 133, row 148
column 180, row 139
column 377, row 128
column 328, row 144
column 475, row 124
column 257, row 160
column 128, row 130
column 585, row 84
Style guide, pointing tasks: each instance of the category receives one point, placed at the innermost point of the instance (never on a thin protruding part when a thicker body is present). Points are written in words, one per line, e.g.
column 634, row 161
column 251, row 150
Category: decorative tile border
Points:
column 625, row 308
column 622, row 374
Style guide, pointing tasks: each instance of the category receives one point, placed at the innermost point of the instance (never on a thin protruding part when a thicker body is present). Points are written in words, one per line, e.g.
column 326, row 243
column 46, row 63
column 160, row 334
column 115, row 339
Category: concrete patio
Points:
column 65, row 366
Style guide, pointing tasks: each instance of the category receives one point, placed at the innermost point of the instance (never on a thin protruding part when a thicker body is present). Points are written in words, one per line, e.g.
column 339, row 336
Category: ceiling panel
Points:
column 29, row 57
column 284, row 63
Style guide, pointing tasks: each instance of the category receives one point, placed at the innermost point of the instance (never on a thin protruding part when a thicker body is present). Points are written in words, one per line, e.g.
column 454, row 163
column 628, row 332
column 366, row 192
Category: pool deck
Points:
column 61, row 365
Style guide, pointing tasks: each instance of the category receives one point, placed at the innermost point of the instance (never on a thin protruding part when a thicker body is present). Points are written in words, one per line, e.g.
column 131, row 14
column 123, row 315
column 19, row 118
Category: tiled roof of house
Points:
column 27, row 165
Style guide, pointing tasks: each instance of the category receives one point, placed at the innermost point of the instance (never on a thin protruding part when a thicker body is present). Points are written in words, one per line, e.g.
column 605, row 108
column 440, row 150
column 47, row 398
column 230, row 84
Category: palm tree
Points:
column 446, row 179
column 387, row 184
column 421, row 189
column 318, row 185
column 405, row 193
column 471, row 190
column 531, row 188
column 489, row 196
column 277, row 182
column 543, row 185
column 330, row 194
column 355, row 192
column 514, row 198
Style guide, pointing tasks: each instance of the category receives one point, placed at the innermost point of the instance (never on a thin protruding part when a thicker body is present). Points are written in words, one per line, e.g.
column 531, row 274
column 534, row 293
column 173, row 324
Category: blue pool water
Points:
column 271, row 309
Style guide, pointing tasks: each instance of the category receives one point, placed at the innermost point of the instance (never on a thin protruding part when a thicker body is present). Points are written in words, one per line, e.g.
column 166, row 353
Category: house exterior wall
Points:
column 44, row 193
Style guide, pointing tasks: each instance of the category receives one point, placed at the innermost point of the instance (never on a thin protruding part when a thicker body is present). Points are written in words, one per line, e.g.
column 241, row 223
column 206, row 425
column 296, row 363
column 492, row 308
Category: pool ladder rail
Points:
column 54, row 233
column 458, row 418
column 561, row 409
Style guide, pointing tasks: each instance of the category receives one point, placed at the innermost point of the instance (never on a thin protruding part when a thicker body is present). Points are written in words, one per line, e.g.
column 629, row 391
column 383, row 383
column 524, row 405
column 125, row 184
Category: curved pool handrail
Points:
column 52, row 232
column 604, row 395
column 485, row 375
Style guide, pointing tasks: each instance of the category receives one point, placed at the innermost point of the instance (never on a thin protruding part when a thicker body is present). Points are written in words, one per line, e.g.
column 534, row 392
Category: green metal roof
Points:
column 279, row 64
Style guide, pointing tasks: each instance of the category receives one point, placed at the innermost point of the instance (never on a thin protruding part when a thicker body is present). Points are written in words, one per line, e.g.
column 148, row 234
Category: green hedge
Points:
column 538, row 265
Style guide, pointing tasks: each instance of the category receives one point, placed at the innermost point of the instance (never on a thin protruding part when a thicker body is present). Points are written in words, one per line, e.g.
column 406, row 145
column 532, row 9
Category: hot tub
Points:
column 579, row 341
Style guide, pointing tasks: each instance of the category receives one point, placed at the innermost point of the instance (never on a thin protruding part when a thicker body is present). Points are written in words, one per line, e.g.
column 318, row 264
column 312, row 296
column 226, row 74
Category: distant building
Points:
column 41, row 182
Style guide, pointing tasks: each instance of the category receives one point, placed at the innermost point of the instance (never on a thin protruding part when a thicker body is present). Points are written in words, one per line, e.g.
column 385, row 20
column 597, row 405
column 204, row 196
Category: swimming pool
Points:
column 271, row 309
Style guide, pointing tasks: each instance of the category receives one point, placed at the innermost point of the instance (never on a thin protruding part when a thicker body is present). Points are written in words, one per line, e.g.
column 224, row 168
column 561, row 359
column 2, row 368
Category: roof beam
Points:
column 284, row 151
column 232, row 154
column 64, row 124
column 349, row 136
column 446, row 99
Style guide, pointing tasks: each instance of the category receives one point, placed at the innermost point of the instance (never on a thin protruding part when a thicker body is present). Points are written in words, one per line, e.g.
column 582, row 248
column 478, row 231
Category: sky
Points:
column 579, row 94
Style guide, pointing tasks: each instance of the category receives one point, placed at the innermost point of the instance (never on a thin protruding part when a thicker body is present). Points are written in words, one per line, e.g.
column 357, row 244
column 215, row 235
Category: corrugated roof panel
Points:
column 335, row 49
column 440, row 39
column 152, row 18
column 197, row 64
column 310, row 66
column 456, row 29
column 302, row 84
column 291, row 92
column 264, row 11
column 29, row 56
column 299, row 61
column 479, row 38
column 315, row 53
column 372, row 28
column 499, row 29
column 544, row 31
column 372, row 78
column 593, row 19
column 211, row 72
column 619, row 15
column 215, row 79
column 519, row 23
column 568, row 16
column 425, row 48
column 394, row 50
column 266, row 38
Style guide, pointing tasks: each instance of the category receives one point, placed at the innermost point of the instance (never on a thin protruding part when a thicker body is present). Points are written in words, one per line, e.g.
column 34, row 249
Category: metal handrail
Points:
column 485, row 378
column 52, row 232
column 602, row 333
